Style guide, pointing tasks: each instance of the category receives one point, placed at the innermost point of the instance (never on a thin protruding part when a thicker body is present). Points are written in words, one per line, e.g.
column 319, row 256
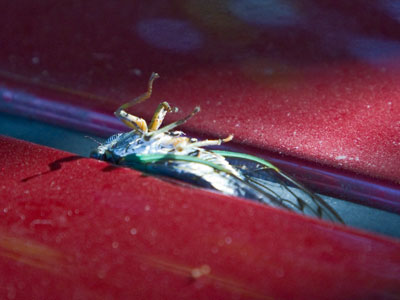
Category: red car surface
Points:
column 312, row 86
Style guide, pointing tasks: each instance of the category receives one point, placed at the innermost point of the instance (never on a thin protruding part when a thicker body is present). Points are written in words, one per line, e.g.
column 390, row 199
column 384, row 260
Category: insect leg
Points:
column 131, row 120
column 176, row 123
column 212, row 142
column 159, row 115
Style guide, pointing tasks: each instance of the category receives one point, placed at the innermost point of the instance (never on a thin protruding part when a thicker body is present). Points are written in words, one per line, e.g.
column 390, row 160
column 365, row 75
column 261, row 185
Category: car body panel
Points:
column 78, row 227
column 311, row 86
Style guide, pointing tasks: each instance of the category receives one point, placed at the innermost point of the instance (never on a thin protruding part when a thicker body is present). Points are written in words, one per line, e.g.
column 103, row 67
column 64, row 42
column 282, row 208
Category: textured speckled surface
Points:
column 373, row 219
column 74, row 228
column 313, row 80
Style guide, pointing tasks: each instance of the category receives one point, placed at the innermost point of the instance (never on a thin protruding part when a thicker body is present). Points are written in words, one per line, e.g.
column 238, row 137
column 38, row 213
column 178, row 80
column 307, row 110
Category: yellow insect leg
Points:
column 212, row 142
column 131, row 120
column 159, row 115
column 176, row 123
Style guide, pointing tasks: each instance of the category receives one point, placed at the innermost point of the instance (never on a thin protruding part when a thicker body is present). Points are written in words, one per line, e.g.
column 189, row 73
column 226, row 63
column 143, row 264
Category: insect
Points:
column 164, row 151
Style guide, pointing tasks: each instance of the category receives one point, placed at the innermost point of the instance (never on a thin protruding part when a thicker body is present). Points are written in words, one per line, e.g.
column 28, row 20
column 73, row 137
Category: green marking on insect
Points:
column 153, row 158
column 162, row 151
column 247, row 156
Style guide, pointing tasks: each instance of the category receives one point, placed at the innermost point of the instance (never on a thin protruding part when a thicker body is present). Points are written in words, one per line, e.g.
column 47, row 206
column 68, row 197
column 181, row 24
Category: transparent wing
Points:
column 286, row 191
column 258, row 180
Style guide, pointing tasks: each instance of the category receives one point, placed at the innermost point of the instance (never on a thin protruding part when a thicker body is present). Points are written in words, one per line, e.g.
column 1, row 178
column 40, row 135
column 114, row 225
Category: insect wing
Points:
column 176, row 166
column 273, row 183
column 259, row 180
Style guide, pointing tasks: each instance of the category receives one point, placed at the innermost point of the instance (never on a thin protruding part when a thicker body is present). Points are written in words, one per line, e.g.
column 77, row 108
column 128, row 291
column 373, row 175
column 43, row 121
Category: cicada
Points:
column 165, row 151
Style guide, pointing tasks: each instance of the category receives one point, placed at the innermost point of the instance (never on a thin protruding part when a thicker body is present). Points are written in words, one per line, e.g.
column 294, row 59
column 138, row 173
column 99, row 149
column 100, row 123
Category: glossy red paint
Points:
column 365, row 190
column 74, row 228
column 317, row 81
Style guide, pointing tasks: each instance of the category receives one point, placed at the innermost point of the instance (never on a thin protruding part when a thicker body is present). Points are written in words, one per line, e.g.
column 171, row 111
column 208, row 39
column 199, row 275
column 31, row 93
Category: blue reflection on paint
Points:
column 375, row 51
column 392, row 7
column 170, row 34
column 265, row 12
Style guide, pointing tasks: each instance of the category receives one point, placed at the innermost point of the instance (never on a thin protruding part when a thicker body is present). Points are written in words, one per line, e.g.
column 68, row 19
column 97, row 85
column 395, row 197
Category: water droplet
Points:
column 136, row 72
column 280, row 273
column 228, row 240
column 340, row 157
column 102, row 274
column 133, row 231
column 11, row 292
column 203, row 270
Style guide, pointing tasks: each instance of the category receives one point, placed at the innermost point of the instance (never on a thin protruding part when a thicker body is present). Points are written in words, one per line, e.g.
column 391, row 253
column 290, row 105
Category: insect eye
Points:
column 94, row 154
column 195, row 153
column 193, row 140
column 175, row 133
column 108, row 155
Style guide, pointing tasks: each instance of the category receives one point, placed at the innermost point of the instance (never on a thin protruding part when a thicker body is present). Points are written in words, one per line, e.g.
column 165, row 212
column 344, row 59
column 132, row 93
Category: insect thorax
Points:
column 122, row 145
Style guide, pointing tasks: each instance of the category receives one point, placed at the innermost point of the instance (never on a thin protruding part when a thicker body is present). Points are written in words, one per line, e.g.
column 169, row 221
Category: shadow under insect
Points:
column 159, row 150
column 54, row 166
